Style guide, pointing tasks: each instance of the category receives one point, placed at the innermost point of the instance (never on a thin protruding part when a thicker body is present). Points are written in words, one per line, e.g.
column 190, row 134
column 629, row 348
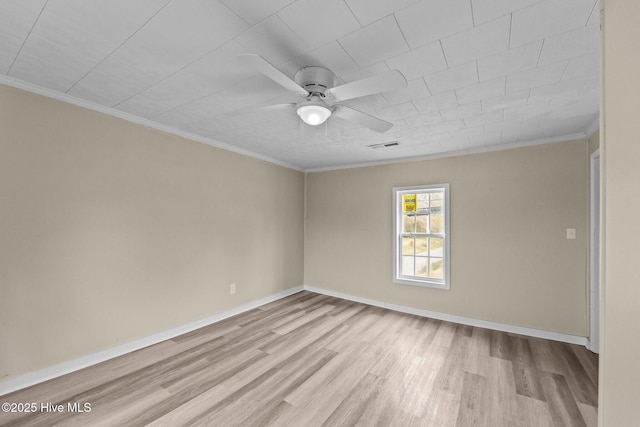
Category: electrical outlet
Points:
column 232, row 288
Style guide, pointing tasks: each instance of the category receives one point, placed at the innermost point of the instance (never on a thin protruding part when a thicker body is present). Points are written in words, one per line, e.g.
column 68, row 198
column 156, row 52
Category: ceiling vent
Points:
column 384, row 145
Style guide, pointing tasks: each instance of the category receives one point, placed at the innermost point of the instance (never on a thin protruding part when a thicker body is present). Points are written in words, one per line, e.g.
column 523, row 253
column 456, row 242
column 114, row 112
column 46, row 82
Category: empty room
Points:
column 305, row 212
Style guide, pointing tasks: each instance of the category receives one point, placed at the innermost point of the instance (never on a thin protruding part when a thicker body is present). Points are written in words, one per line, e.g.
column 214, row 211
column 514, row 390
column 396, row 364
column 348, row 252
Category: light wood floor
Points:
column 311, row 360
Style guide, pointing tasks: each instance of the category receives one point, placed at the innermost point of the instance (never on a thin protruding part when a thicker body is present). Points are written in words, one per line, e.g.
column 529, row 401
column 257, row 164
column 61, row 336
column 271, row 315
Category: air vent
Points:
column 384, row 145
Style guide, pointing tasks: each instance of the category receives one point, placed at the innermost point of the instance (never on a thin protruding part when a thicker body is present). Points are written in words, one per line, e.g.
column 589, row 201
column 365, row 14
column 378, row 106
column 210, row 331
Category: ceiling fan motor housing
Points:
column 316, row 80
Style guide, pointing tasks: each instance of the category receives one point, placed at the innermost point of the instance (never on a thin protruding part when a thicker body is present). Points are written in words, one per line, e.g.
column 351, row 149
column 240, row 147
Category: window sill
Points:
column 422, row 283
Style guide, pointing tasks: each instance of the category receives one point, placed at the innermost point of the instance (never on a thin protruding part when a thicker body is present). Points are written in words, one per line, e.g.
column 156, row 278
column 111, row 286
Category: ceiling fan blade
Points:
column 260, row 64
column 362, row 119
column 368, row 86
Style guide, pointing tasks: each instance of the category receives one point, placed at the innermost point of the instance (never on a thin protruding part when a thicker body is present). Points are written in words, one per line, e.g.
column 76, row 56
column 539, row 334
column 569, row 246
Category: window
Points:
column 421, row 235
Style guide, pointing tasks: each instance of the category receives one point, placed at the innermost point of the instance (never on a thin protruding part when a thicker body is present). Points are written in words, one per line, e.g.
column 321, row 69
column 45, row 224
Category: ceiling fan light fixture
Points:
column 314, row 112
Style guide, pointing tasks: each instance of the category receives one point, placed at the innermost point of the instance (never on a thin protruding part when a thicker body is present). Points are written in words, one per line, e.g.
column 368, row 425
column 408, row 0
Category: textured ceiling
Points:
column 480, row 72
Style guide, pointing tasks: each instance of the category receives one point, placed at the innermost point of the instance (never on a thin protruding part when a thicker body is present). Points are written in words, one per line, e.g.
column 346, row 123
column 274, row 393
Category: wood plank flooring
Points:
column 314, row 360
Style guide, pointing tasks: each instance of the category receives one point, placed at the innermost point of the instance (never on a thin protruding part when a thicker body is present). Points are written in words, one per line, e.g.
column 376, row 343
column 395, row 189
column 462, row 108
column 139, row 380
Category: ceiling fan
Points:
column 317, row 86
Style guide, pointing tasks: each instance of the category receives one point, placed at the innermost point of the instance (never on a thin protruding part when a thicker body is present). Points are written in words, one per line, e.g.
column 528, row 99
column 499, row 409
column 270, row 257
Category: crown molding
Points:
column 499, row 147
column 69, row 99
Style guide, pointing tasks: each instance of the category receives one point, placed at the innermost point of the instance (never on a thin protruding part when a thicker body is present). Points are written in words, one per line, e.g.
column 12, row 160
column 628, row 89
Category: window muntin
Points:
column 421, row 235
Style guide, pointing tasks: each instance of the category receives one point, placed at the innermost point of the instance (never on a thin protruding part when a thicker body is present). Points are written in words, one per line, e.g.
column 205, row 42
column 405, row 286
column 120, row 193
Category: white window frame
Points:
column 398, row 193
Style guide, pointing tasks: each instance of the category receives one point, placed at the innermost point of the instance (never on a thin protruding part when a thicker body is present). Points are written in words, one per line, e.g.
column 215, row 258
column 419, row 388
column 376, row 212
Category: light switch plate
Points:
column 571, row 233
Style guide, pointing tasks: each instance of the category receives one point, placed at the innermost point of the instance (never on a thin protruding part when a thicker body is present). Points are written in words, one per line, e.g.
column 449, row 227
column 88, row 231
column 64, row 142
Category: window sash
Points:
column 427, row 259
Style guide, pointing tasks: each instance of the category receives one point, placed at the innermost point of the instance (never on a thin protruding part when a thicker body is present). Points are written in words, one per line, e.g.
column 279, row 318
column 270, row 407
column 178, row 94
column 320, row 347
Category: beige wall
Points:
column 620, row 153
column 511, row 261
column 111, row 231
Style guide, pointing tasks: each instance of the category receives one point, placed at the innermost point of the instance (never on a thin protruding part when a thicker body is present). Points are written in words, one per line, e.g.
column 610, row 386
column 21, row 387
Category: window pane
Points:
column 436, row 268
column 436, row 246
column 407, row 223
column 421, row 266
column 407, row 246
column 407, row 266
column 423, row 201
column 437, row 223
column 437, row 196
column 436, row 202
column 422, row 223
column 421, row 245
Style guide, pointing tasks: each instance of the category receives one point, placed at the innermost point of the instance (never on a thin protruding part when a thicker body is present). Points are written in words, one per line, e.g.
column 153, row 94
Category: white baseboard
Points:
column 593, row 346
column 504, row 327
column 45, row 374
